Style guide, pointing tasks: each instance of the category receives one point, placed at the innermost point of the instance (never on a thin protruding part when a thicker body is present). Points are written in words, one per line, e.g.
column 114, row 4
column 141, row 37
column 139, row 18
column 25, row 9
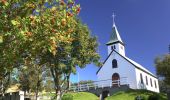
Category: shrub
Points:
column 67, row 97
column 153, row 97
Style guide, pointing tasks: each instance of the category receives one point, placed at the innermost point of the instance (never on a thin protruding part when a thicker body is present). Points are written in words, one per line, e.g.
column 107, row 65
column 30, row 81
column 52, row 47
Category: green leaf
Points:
column 6, row 3
column 1, row 39
column 14, row 22
column 37, row 10
column 49, row 48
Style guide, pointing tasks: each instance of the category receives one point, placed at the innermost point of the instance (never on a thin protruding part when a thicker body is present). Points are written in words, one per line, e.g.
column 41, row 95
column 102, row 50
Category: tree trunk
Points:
column 37, row 88
column 168, row 96
column 36, row 94
column 68, row 81
column 2, row 87
column 58, row 88
column 58, row 94
column 24, row 93
column 56, row 77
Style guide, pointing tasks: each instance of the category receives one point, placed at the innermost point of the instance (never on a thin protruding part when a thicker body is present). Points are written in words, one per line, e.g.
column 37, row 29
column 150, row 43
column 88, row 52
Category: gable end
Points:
column 126, row 60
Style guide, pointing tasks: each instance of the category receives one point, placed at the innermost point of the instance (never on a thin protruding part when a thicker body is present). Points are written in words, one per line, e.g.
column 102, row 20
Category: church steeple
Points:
column 115, row 41
column 115, row 37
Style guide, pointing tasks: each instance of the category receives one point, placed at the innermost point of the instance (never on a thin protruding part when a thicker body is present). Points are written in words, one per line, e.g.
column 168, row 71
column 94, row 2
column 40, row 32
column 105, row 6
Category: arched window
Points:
column 114, row 63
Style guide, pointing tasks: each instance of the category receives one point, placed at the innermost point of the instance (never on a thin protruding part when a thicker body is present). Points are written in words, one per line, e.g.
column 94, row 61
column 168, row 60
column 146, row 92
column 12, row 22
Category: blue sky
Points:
column 144, row 26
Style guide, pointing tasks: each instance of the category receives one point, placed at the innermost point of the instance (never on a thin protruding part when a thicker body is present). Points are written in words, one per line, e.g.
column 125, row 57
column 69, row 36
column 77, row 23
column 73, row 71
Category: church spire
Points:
column 115, row 37
column 115, row 43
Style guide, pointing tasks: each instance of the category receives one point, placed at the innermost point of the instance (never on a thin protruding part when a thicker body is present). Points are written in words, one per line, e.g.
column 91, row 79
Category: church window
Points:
column 155, row 84
column 141, row 78
column 114, row 63
column 151, row 81
column 146, row 80
column 111, row 47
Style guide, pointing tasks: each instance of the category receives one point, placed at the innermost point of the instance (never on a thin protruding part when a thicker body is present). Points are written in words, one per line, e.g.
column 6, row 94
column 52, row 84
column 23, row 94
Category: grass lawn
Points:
column 84, row 96
column 122, row 95
column 131, row 94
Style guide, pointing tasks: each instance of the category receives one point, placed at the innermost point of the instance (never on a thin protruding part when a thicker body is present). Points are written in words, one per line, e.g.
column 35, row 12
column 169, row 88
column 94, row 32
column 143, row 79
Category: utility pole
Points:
column 169, row 48
column 78, row 78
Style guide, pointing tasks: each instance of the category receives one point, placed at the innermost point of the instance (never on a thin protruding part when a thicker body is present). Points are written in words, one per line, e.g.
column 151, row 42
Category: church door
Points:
column 115, row 80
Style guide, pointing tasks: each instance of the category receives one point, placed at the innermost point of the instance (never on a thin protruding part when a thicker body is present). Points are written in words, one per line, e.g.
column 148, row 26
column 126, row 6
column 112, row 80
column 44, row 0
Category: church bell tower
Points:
column 115, row 42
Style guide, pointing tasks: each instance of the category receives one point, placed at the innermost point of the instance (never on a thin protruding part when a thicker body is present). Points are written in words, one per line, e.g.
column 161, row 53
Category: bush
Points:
column 67, row 97
column 153, row 97
column 140, row 98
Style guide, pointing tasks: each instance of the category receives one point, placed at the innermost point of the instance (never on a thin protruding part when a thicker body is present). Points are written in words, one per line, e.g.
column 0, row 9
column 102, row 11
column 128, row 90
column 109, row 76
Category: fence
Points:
column 12, row 96
column 20, row 96
column 99, row 84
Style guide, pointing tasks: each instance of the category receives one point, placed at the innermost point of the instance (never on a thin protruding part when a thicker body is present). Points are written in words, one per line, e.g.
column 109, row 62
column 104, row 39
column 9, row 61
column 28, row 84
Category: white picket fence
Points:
column 99, row 84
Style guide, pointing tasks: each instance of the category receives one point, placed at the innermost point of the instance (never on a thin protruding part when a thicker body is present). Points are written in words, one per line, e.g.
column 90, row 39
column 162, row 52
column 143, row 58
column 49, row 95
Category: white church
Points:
column 119, row 69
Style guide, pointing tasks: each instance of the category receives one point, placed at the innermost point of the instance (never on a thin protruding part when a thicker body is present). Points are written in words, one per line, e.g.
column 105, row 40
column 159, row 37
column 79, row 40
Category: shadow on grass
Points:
column 147, row 93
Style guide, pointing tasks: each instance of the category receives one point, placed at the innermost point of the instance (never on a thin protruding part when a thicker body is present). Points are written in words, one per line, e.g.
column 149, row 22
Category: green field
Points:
column 122, row 95
column 83, row 96
column 131, row 94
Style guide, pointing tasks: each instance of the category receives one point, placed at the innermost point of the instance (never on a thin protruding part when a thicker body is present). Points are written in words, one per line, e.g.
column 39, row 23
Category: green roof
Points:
column 115, row 37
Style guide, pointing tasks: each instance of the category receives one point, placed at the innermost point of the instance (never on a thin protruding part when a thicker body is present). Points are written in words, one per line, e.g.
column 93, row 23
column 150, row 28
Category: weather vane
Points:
column 113, row 19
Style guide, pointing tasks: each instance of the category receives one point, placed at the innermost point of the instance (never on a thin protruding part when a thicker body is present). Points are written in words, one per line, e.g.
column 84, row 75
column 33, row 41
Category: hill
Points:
column 80, row 96
column 122, row 95
column 132, row 94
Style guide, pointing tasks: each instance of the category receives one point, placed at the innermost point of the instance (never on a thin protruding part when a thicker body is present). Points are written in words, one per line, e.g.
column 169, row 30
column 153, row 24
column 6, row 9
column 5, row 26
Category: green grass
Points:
column 131, row 94
column 84, row 96
column 122, row 95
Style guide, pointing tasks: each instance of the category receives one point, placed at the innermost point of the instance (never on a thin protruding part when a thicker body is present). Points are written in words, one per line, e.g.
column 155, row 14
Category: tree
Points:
column 4, row 84
column 31, row 78
column 49, row 30
column 163, row 69
column 81, row 51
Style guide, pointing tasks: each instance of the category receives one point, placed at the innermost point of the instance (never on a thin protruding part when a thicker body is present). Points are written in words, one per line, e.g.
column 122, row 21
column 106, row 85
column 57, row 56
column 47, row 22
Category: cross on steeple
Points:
column 113, row 19
column 115, row 36
column 115, row 40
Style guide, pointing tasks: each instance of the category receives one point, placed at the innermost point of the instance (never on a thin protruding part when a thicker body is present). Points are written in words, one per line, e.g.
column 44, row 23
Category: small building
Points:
column 118, row 69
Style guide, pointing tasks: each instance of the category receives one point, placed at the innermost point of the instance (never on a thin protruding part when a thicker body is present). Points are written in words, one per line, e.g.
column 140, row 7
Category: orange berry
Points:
column 63, row 22
column 52, row 21
column 62, row 2
column 78, row 10
column 3, row 1
column 69, row 14
column 32, row 18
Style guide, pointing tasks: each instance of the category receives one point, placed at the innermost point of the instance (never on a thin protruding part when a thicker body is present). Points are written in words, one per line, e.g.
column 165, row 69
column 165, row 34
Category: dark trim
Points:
column 115, row 43
column 126, row 60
